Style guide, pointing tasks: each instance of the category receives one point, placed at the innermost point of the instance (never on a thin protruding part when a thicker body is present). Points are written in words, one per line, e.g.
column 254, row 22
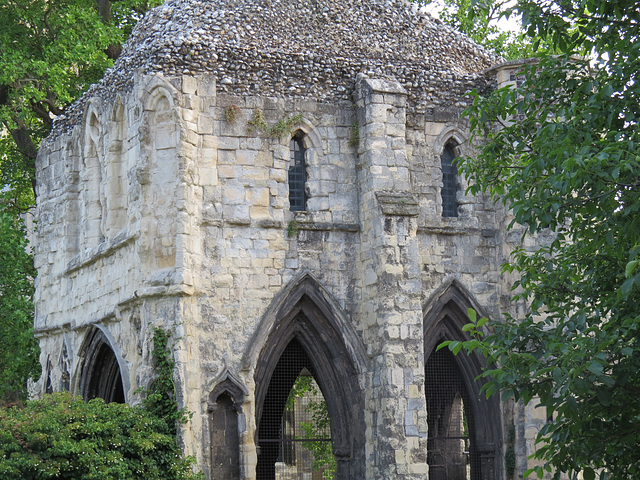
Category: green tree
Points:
column 480, row 20
column 51, row 51
column 64, row 437
column 567, row 163
column 317, row 426
column 18, row 349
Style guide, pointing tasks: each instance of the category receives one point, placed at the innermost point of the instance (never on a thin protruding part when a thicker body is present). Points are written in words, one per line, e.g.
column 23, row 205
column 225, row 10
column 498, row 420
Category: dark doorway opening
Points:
column 294, row 436
column 101, row 376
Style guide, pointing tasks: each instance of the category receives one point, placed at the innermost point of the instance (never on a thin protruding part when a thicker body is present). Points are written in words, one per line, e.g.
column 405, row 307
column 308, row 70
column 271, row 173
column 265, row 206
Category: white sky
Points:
column 512, row 23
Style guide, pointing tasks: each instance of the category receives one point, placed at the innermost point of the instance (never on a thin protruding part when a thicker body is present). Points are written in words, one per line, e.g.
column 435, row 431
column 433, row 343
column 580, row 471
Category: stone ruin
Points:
column 274, row 183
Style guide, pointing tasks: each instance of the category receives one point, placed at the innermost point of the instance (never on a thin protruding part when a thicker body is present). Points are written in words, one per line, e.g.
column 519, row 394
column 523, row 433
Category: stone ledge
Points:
column 398, row 203
column 305, row 224
column 449, row 230
column 105, row 249
column 341, row 227
column 42, row 331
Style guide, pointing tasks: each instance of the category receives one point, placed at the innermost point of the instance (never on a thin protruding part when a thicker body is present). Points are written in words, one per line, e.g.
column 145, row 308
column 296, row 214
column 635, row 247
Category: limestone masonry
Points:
column 274, row 183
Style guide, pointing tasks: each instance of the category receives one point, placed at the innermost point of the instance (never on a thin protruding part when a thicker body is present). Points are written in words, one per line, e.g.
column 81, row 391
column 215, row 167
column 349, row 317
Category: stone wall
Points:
column 165, row 207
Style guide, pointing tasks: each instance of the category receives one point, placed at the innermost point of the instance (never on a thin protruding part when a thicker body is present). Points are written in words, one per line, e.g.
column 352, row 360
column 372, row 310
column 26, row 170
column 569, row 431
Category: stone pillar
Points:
column 389, row 274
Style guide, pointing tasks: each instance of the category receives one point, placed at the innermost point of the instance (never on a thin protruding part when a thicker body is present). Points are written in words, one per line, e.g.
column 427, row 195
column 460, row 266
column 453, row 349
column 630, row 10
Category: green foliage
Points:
column 292, row 228
column 510, row 452
column 18, row 349
column 63, row 437
column 318, row 427
column 479, row 19
column 285, row 125
column 159, row 397
column 50, row 53
column 231, row 113
column 259, row 123
column 568, row 164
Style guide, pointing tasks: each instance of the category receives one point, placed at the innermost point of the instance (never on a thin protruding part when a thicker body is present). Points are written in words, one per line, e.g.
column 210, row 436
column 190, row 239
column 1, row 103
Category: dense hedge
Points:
column 63, row 437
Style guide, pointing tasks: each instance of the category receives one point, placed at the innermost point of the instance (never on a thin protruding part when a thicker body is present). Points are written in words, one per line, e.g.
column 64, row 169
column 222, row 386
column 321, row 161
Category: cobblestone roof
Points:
column 288, row 48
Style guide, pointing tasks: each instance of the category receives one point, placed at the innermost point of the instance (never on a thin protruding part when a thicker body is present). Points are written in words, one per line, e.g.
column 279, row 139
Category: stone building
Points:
column 275, row 184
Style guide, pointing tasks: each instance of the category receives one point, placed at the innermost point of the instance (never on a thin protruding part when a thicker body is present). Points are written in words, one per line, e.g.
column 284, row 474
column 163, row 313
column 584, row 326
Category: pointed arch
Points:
column 93, row 157
column 101, row 374
column 451, row 134
column 116, row 186
column 225, row 412
column 297, row 175
column 445, row 315
column 229, row 385
column 305, row 320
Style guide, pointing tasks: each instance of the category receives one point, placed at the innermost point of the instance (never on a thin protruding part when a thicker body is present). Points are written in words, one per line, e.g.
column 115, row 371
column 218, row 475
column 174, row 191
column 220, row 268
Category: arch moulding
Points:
column 306, row 312
column 445, row 313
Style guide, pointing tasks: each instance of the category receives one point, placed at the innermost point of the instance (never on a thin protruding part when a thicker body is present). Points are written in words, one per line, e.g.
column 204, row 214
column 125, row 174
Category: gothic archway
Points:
column 304, row 341
column 100, row 376
column 465, row 428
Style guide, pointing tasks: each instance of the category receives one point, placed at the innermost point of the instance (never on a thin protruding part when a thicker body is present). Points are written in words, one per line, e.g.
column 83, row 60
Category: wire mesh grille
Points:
column 294, row 435
column 449, row 182
column 451, row 452
column 297, row 175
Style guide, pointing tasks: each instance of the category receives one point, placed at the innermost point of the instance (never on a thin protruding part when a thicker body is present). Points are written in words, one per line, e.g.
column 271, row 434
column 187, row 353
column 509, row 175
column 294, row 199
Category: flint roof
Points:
column 288, row 48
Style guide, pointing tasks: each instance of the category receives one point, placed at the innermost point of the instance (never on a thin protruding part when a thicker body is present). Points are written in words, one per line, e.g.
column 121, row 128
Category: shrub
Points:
column 63, row 437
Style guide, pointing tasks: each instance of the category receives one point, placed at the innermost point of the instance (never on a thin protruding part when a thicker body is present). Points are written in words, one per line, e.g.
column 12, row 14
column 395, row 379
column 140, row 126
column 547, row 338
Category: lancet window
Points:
column 449, row 181
column 297, row 173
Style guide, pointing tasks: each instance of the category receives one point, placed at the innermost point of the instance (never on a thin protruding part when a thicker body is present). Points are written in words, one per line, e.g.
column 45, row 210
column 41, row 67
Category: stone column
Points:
column 389, row 274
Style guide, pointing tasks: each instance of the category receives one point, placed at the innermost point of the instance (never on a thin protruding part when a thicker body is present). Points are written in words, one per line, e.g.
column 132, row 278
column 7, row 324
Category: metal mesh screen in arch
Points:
column 451, row 449
column 294, row 436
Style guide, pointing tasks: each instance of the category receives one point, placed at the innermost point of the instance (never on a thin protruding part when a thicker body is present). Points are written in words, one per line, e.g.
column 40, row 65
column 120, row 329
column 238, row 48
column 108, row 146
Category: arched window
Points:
column 297, row 174
column 452, row 452
column 100, row 376
column 294, row 436
column 449, row 180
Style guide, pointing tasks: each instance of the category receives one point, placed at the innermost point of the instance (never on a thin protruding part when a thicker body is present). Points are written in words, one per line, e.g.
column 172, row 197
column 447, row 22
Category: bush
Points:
column 63, row 437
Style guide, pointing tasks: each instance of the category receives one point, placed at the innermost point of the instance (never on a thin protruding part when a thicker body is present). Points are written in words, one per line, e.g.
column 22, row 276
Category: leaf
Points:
column 631, row 267
column 595, row 367
column 626, row 287
column 604, row 397
column 588, row 474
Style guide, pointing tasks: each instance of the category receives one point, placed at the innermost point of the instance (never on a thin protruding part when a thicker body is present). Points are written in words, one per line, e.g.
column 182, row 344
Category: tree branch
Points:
column 26, row 147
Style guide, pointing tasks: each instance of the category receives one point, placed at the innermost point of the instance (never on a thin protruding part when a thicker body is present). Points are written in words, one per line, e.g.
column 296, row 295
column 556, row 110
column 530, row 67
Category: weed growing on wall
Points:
column 231, row 113
column 259, row 123
column 160, row 397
